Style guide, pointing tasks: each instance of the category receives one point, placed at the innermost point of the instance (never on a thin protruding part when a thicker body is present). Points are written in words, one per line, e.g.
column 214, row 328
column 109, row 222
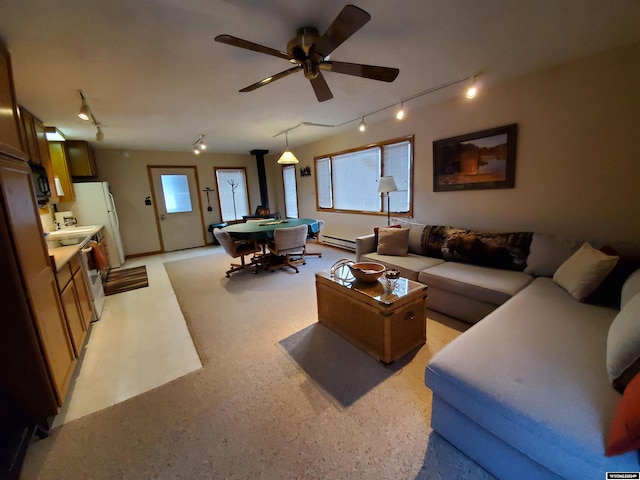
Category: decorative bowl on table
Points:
column 366, row 271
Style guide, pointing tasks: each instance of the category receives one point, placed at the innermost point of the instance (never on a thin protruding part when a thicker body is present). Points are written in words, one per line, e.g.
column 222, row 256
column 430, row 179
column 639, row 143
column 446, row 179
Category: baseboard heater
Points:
column 339, row 242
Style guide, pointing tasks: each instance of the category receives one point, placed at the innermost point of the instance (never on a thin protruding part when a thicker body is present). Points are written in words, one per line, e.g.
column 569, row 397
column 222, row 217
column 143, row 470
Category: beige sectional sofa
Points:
column 528, row 391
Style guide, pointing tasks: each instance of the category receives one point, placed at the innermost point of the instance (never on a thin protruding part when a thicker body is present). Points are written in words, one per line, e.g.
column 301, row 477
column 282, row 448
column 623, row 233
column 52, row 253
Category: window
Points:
column 290, row 191
column 233, row 194
column 348, row 181
column 175, row 189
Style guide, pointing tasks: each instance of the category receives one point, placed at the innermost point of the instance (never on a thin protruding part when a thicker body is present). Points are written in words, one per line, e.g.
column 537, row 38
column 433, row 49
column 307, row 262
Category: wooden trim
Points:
column 380, row 145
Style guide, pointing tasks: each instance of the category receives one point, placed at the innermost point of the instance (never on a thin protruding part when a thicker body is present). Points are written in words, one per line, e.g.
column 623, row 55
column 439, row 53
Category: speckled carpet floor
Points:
column 279, row 396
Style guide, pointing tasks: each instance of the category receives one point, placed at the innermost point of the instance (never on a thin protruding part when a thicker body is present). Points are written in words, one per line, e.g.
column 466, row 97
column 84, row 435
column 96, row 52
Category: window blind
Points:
column 290, row 191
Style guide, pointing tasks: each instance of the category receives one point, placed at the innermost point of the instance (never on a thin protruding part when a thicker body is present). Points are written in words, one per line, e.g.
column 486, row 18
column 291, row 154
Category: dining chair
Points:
column 288, row 242
column 238, row 249
column 316, row 237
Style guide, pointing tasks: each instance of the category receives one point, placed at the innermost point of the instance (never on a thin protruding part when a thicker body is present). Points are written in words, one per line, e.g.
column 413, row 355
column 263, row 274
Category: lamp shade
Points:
column 387, row 184
column 287, row 158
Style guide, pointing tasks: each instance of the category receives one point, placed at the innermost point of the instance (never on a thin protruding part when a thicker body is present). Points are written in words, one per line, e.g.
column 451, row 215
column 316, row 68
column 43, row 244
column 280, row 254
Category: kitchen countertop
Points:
column 60, row 255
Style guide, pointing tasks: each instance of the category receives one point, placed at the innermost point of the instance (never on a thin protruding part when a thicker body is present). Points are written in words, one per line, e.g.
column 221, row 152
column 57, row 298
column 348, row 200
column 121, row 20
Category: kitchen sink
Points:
column 71, row 232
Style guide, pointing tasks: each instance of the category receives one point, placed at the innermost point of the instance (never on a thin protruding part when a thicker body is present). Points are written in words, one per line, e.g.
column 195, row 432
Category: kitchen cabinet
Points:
column 60, row 169
column 80, row 158
column 35, row 347
column 76, row 303
column 35, row 139
column 11, row 139
column 31, row 141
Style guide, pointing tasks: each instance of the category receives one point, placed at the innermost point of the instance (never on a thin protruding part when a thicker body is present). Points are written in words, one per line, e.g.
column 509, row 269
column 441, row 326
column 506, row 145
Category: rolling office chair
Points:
column 316, row 236
column 288, row 242
column 238, row 249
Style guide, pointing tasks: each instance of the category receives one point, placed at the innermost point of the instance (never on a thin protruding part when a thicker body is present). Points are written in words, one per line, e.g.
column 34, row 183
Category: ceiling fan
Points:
column 309, row 52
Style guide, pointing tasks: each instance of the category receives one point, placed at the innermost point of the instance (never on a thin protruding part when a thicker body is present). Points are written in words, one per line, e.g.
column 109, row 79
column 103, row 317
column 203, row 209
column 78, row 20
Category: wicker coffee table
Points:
column 384, row 325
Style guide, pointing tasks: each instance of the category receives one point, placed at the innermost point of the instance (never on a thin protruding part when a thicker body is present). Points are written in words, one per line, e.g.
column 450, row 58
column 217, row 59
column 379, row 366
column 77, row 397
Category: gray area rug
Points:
column 279, row 396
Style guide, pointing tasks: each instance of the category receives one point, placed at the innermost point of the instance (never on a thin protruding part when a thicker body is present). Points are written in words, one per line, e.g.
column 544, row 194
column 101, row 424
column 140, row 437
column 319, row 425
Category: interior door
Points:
column 177, row 206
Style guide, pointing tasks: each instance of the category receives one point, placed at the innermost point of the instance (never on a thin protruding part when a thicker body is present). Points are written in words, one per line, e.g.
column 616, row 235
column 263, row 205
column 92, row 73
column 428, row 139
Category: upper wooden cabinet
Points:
column 61, row 176
column 82, row 162
column 30, row 138
column 11, row 142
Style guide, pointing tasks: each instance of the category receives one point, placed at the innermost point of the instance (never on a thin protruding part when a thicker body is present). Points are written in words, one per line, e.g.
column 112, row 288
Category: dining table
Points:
column 262, row 231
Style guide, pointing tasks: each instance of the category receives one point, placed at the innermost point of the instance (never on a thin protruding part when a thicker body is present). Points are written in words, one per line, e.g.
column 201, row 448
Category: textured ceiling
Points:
column 155, row 78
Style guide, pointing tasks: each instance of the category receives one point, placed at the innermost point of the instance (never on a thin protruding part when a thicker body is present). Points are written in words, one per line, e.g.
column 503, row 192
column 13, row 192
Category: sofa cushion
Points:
column 584, row 271
column 409, row 266
column 623, row 345
column 630, row 288
column 482, row 283
column 609, row 292
column 548, row 252
column 393, row 241
column 624, row 434
column 533, row 374
column 416, row 234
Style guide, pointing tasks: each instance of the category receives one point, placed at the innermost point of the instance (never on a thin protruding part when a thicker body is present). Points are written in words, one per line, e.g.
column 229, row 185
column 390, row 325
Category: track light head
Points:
column 363, row 126
column 472, row 89
column 400, row 112
column 99, row 133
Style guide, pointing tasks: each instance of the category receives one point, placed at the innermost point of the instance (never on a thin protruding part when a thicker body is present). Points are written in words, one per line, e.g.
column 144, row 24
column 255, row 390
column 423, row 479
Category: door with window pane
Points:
column 177, row 202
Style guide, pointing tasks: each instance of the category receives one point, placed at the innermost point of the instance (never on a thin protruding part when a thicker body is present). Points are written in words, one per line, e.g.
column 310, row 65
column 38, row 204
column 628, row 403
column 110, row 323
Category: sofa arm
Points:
column 365, row 244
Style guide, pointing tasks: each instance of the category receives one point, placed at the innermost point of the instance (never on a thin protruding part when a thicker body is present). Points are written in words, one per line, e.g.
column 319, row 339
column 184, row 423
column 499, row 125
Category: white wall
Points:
column 577, row 164
column 130, row 185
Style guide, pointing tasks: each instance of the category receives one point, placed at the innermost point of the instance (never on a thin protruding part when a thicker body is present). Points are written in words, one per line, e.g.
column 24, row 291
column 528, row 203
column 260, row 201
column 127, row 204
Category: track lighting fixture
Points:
column 472, row 89
column 99, row 133
column 199, row 144
column 84, row 112
column 470, row 92
column 287, row 158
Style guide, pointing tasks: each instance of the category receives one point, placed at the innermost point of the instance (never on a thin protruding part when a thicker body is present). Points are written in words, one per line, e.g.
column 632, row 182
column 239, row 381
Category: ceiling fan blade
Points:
column 384, row 74
column 349, row 21
column 238, row 42
column 268, row 80
column 319, row 84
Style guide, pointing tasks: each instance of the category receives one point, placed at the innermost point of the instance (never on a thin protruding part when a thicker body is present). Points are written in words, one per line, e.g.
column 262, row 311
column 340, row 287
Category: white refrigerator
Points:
column 94, row 205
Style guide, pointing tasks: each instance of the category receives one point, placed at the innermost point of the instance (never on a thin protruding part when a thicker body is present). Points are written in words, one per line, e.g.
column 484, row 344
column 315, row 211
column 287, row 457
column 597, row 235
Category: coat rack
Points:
column 207, row 190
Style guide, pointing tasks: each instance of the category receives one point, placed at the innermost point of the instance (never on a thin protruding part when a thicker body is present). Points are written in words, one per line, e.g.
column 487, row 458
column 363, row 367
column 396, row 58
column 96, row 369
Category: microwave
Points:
column 40, row 183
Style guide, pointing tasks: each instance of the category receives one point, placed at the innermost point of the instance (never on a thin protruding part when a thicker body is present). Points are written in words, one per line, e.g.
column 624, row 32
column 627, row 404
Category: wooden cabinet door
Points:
column 80, row 158
column 36, row 272
column 84, row 298
column 31, row 141
column 10, row 128
column 61, row 171
column 72, row 313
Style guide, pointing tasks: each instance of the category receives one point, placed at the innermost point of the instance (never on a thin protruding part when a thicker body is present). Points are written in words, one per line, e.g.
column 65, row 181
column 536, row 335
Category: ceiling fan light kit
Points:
column 309, row 51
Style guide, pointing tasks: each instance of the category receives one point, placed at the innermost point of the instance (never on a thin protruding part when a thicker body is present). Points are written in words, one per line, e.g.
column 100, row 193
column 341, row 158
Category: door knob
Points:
column 162, row 217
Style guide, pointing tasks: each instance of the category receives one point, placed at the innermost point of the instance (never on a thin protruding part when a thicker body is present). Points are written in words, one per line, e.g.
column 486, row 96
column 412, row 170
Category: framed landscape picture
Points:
column 476, row 161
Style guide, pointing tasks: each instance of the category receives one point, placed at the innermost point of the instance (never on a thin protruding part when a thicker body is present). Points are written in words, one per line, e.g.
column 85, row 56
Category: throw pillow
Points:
column 376, row 229
column 608, row 294
column 581, row 273
column 624, row 434
column 623, row 345
column 393, row 241
column 548, row 252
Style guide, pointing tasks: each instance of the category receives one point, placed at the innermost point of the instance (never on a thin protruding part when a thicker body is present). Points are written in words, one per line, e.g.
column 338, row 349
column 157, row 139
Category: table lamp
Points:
column 387, row 184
